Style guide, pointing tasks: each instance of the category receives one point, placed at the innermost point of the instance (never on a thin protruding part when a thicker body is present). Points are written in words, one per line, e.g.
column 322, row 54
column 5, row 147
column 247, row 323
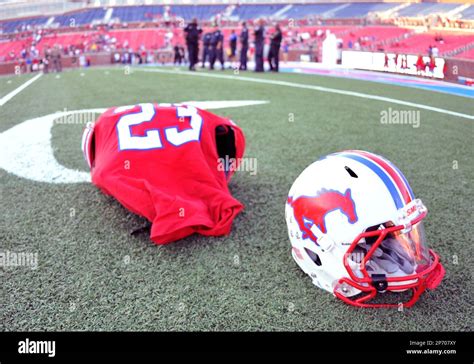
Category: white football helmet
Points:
column 356, row 229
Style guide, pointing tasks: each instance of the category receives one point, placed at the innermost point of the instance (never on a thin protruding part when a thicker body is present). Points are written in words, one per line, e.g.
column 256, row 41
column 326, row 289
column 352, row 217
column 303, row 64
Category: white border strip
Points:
column 16, row 91
column 315, row 88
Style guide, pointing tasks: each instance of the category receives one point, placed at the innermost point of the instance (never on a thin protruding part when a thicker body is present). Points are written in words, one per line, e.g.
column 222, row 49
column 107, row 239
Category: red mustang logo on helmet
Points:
column 309, row 210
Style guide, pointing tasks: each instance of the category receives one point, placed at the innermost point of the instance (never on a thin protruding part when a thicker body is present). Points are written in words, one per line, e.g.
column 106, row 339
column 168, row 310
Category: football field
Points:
column 92, row 274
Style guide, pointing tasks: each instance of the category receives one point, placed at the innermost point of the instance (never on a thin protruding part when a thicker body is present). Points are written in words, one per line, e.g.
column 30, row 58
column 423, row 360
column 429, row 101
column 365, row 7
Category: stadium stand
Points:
column 468, row 13
column 75, row 39
column 423, row 9
column 148, row 38
column 7, row 47
column 130, row 14
column 144, row 13
column 202, row 12
column 154, row 27
column 22, row 24
column 466, row 55
column 378, row 36
column 420, row 43
column 359, row 10
column 79, row 18
column 246, row 12
column 301, row 11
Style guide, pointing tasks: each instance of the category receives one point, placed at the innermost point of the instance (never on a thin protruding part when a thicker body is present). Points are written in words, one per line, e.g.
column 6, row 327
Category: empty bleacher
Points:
column 468, row 13
column 202, row 12
column 130, row 14
column 379, row 35
column 466, row 55
column 359, row 10
column 12, row 46
column 80, row 17
column 419, row 43
column 423, row 9
column 67, row 39
column 301, row 11
column 150, row 39
column 16, row 25
column 246, row 12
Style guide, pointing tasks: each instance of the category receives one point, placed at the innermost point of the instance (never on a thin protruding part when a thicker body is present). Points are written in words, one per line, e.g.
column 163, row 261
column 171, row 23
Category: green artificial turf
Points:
column 93, row 275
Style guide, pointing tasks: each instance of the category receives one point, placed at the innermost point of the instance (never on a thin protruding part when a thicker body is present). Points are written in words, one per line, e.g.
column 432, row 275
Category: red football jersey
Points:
column 165, row 163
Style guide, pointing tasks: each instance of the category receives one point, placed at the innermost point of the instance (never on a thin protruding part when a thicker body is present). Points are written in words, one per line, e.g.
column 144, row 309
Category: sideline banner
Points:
column 394, row 63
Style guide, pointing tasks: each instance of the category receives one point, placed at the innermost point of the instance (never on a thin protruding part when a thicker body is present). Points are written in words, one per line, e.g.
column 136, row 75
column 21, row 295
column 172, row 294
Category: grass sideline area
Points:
column 93, row 275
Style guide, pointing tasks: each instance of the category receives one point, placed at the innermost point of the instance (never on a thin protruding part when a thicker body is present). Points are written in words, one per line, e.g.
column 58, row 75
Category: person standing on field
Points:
column 259, row 35
column 274, row 54
column 193, row 32
column 244, row 47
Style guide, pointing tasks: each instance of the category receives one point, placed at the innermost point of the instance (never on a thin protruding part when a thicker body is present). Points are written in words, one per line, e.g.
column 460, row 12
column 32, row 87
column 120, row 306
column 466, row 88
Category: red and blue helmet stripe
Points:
column 391, row 176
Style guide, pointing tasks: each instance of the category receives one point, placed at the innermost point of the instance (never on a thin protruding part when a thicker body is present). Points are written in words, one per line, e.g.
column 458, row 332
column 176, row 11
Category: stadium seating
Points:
column 300, row 11
column 130, row 14
column 150, row 39
column 202, row 12
column 12, row 46
column 389, row 38
column 423, row 9
column 134, row 38
column 468, row 13
column 466, row 55
column 16, row 25
column 378, row 34
column 79, row 18
column 420, row 43
column 359, row 10
column 155, row 38
column 246, row 12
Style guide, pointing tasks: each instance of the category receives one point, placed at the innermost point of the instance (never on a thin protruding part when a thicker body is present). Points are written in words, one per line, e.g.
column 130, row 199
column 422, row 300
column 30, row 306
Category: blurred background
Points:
column 132, row 31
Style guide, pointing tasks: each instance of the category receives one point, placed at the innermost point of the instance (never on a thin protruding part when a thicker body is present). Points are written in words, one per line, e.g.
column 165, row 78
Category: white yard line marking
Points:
column 16, row 91
column 316, row 88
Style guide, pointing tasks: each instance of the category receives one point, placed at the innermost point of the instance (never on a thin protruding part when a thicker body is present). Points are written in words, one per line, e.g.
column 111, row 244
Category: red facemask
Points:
column 392, row 259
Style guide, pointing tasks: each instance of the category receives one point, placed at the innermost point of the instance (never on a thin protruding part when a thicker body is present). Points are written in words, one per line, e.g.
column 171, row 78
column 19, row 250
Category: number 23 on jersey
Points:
column 153, row 137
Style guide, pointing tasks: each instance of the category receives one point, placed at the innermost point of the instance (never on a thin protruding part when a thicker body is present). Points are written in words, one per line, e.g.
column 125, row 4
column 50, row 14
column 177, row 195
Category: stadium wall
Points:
column 459, row 71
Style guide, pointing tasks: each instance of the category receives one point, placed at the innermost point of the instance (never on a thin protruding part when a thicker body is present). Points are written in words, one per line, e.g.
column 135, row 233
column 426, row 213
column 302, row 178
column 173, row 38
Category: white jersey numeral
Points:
column 178, row 138
column 152, row 139
column 128, row 141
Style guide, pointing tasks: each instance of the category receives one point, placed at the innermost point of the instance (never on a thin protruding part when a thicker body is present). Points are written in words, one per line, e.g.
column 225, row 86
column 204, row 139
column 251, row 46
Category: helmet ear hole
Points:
column 351, row 172
column 314, row 257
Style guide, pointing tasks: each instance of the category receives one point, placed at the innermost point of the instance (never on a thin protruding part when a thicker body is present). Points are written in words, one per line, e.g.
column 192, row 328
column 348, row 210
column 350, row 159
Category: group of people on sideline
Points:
column 213, row 46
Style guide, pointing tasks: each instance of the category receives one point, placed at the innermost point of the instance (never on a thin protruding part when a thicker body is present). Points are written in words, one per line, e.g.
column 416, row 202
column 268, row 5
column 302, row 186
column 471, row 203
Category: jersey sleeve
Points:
column 178, row 217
